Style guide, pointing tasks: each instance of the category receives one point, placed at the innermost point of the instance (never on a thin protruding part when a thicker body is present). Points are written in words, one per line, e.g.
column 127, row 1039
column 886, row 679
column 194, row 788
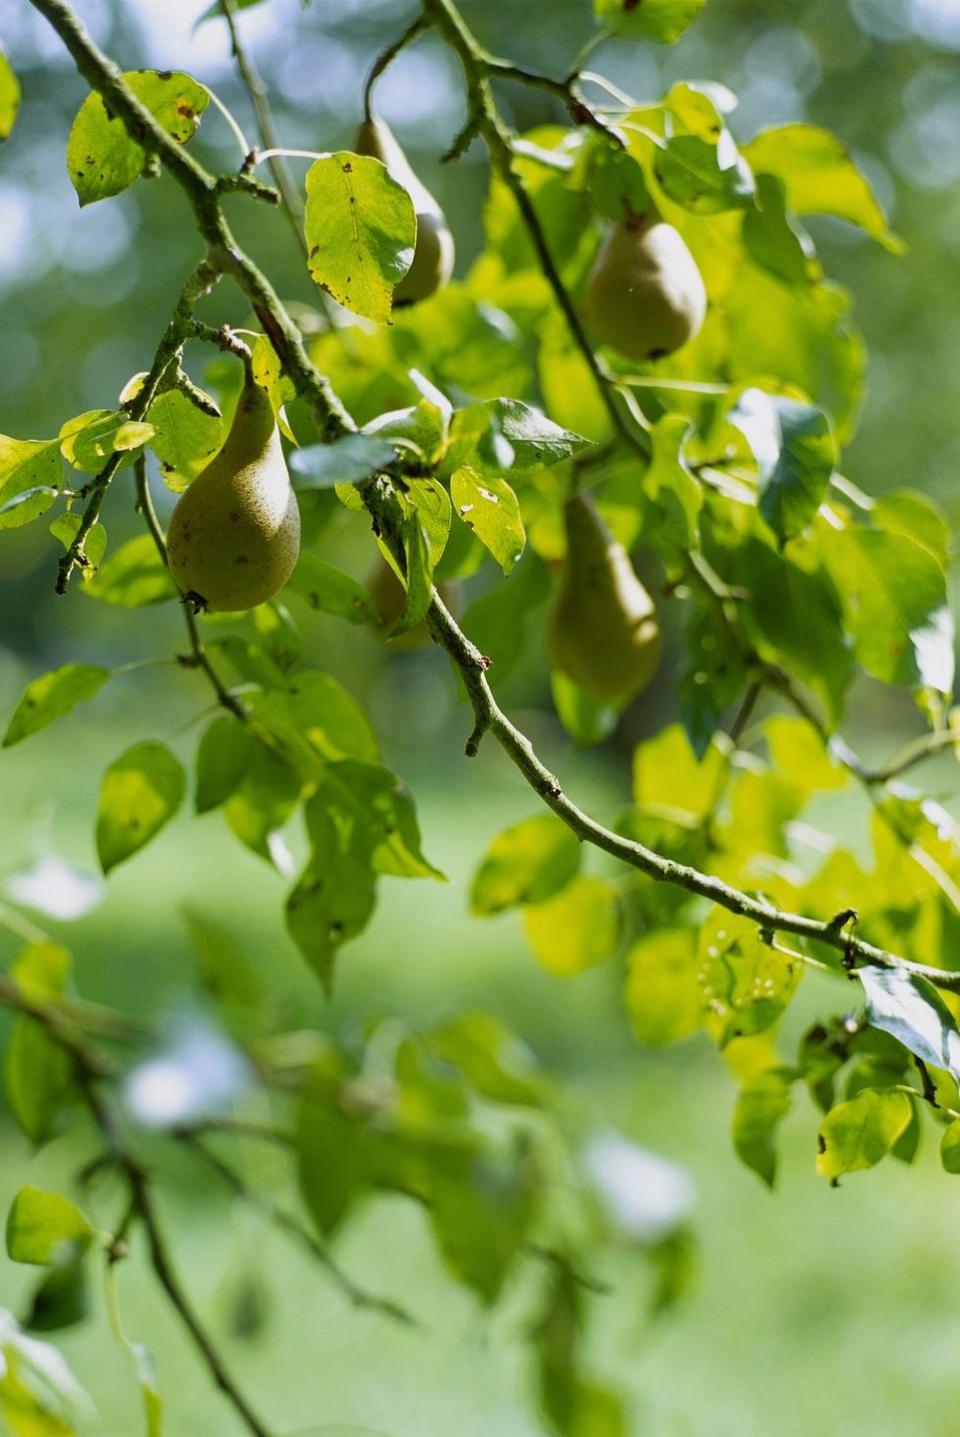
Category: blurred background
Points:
column 814, row 1310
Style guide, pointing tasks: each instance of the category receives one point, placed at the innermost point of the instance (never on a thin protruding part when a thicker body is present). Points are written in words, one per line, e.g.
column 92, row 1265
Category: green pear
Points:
column 603, row 630
column 645, row 294
column 234, row 535
column 433, row 257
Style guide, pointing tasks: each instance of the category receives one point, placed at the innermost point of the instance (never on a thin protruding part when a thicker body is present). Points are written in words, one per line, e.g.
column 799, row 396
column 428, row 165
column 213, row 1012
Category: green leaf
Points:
column 330, row 1159
column 799, row 754
column 185, row 437
column 30, row 471
column 102, row 159
column 669, row 781
column 225, row 971
column 586, row 719
column 263, row 803
column 53, row 695
column 331, row 903
column 774, row 239
column 330, row 590
column 43, row 1226
column 493, row 1059
column 820, row 177
column 950, row 1147
column 859, row 1133
column 661, row 20
column 66, row 527
column 361, row 231
column 349, row 460
column 907, row 511
column 223, row 755
column 39, row 1074
column 895, row 595
column 132, row 576
column 671, row 485
column 9, row 97
column 61, row 1298
column 316, row 709
column 480, row 1218
column 141, row 792
column 527, row 863
column 911, row 1010
column 663, row 990
column 705, row 176
column 88, row 440
column 796, row 452
column 489, row 507
column 576, row 928
column 501, row 435
column 761, row 1106
column 375, row 818
column 745, row 984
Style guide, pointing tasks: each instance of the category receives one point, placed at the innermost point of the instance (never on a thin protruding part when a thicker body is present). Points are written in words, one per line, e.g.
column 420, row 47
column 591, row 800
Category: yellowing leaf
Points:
column 42, row 1225
column 859, row 1133
column 576, row 928
column 141, row 792
column 9, row 97
column 361, row 230
column 489, row 507
column 527, row 863
column 102, row 159
column 663, row 991
column 52, row 696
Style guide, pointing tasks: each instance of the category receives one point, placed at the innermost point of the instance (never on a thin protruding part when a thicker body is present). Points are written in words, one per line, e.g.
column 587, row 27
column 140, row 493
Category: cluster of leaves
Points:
column 727, row 468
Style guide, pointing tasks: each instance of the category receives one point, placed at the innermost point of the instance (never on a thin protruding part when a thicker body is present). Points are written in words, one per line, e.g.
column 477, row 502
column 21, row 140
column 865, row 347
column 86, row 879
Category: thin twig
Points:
column 387, row 57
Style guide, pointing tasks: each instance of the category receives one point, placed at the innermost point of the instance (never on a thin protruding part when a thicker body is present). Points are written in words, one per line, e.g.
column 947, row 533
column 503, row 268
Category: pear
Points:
column 234, row 535
column 433, row 257
column 603, row 630
column 645, row 295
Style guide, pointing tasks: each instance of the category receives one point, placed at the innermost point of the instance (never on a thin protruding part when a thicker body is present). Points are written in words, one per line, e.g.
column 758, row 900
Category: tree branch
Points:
column 333, row 421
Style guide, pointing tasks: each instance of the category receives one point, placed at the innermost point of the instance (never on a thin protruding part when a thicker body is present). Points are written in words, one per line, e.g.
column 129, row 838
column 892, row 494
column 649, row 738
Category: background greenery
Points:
column 815, row 1310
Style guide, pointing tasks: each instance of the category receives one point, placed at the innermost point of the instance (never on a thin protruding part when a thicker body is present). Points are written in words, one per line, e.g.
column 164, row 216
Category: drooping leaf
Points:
column 330, row 1160
column 361, row 232
column 911, row 1010
column 53, row 695
column 141, row 792
column 859, row 1133
column 895, row 595
column 42, row 1225
column 761, row 1106
column 30, row 471
column 331, row 903
column 60, row 1299
column 489, row 507
column 102, row 159
column 375, row 818
column 223, row 755
column 527, row 863
column 663, row 990
column 9, row 97
column 820, row 177
column 576, row 928
column 795, row 451
column 661, row 20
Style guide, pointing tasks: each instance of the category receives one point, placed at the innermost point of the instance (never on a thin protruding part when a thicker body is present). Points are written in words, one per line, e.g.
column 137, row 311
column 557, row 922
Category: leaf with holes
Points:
column 489, row 507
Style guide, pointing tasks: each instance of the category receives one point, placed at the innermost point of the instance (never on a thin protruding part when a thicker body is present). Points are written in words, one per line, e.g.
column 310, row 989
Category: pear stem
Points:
column 387, row 57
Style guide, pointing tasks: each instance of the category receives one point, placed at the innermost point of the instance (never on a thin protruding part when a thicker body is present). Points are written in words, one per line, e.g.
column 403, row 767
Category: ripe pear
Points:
column 645, row 294
column 433, row 257
column 234, row 535
column 603, row 630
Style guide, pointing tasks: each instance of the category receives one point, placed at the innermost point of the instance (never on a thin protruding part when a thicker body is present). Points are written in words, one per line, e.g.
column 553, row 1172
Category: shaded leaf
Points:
column 132, row 576
column 795, row 451
column 53, row 695
column 761, row 1106
column 911, row 1010
column 350, row 460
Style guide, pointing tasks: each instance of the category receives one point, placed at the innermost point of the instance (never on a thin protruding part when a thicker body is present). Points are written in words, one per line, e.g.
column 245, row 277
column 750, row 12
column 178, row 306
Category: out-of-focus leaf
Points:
column 660, row 20
column 527, row 863
column 141, row 792
column 663, row 990
column 42, row 1226
column 361, row 232
column 330, row 1159
column 330, row 590
column 895, row 595
column 761, row 1106
column 820, row 177
column 375, row 818
column 576, row 928
column 859, row 1133
column 102, row 159
column 132, row 576
column 60, row 1299
column 53, row 695
column 9, row 97
column 331, row 903
column 774, row 239
column 493, row 1059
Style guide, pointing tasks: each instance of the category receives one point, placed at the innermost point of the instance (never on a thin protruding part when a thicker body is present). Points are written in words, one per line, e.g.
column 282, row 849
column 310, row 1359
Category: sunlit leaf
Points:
column 795, row 451
column 663, row 990
column 132, row 576
column 576, row 928
column 42, row 1225
column 9, row 97
column 527, row 863
column 859, row 1133
column 53, row 695
column 361, row 231
column 660, row 20
column 141, row 792
column 489, row 507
